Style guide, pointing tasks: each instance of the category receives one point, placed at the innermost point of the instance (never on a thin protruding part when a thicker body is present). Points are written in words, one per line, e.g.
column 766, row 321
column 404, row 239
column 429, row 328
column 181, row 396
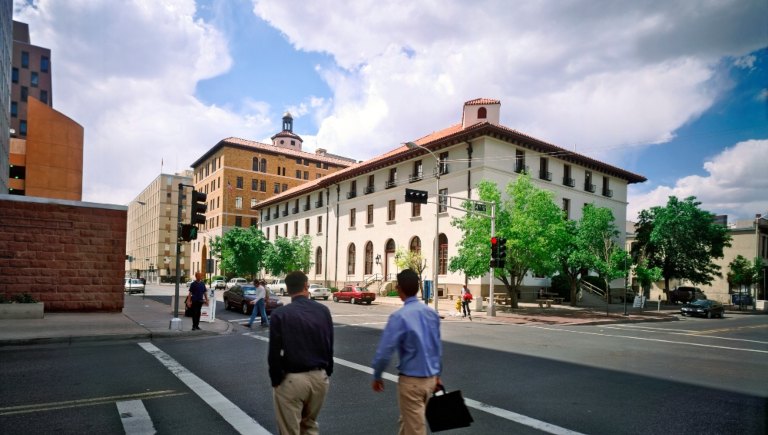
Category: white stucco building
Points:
column 358, row 217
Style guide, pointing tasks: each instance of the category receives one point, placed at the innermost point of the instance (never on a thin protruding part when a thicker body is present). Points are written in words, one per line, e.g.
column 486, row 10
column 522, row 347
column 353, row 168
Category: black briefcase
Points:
column 447, row 411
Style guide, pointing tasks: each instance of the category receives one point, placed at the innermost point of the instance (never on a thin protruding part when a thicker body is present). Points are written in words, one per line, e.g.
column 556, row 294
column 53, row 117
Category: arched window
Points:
column 368, row 258
column 415, row 245
column 482, row 113
column 263, row 165
column 443, row 255
column 351, row 259
column 255, row 164
column 390, row 247
column 319, row 261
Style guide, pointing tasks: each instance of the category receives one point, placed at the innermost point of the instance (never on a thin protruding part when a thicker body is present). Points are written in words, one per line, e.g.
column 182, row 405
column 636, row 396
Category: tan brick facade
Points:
column 67, row 254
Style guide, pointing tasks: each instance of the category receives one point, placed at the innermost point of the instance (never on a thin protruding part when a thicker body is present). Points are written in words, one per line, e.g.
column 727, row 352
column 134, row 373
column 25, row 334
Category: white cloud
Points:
column 736, row 184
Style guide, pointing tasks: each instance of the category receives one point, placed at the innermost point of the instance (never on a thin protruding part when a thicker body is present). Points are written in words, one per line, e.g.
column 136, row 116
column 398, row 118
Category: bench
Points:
column 541, row 302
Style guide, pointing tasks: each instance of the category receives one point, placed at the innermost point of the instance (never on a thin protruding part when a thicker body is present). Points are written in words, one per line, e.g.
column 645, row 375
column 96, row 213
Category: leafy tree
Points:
column 529, row 220
column 742, row 273
column 241, row 251
column 573, row 262
column 288, row 255
column 681, row 240
column 597, row 238
column 646, row 275
column 407, row 259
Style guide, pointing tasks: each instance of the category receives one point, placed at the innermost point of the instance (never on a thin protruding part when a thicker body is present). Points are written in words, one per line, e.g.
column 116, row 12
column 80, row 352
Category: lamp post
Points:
column 435, row 259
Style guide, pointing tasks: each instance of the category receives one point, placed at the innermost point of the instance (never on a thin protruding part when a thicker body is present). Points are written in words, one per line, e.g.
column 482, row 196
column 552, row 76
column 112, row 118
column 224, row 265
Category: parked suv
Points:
column 277, row 286
column 236, row 281
column 685, row 294
column 219, row 284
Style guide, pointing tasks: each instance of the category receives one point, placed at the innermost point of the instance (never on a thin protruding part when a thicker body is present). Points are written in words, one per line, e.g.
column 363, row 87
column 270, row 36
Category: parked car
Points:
column 317, row 291
column 741, row 299
column 703, row 307
column 133, row 285
column 685, row 294
column 219, row 284
column 278, row 286
column 236, row 281
column 355, row 295
column 240, row 296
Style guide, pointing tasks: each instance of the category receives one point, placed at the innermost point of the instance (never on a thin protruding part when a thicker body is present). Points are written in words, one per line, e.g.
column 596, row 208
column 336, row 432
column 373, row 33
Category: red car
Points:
column 355, row 295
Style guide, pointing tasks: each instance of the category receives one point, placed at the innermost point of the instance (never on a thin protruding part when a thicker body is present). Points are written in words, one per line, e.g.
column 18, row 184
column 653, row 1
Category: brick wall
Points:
column 68, row 254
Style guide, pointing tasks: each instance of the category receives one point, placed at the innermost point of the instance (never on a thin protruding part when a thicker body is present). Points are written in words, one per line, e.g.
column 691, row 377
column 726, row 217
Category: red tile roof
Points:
column 481, row 101
column 272, row 149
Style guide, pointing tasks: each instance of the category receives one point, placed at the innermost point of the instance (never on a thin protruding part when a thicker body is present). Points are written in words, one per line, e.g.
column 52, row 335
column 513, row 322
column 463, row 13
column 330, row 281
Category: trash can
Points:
column 478, row 304
column 427, row 289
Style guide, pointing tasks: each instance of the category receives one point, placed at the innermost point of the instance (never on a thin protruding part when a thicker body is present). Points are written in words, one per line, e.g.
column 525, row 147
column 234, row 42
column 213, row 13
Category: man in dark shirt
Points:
column 300, row 358
column 198, row 296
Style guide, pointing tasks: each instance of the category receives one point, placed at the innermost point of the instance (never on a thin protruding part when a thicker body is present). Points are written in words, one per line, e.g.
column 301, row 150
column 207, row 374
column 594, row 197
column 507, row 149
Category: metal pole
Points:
column 176, row 321
column 491, row 305
column 437, row 229
column 626, row 285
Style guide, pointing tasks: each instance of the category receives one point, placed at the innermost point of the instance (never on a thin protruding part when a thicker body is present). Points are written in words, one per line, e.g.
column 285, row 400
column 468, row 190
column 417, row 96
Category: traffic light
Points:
column 498, row 252
column 417, row 196
column 188, row 232
column 197, row 215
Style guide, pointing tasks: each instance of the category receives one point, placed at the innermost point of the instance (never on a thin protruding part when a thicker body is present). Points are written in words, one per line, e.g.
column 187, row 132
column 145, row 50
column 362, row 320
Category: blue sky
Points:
column 673, row 90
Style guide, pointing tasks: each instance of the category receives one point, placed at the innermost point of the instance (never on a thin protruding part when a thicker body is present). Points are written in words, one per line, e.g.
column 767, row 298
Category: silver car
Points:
column 317, row 291
column 133, row 285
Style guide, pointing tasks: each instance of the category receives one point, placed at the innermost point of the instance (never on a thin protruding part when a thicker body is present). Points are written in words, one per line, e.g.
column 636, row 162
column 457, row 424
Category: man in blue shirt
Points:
column 414, row 331
column 198, row 296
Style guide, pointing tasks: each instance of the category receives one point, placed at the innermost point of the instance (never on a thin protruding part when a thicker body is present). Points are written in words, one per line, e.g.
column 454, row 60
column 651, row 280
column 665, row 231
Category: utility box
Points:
column 478, row 304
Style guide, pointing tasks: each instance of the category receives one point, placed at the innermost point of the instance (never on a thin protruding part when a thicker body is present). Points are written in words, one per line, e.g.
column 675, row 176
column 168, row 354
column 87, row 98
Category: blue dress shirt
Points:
column 414, row 331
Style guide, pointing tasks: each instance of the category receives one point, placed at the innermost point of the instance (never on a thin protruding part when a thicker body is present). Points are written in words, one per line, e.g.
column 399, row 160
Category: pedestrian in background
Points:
column 260, row 303
column 466, row 298
column 197, row 297
column 414, row 331
column 300, row 358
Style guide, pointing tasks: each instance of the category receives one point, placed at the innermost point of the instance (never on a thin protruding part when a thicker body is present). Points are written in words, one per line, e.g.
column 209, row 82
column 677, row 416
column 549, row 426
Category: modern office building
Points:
column 236, row 174
column 150, row 244
column 45, row 157
column 6, row 47
column 357, row 218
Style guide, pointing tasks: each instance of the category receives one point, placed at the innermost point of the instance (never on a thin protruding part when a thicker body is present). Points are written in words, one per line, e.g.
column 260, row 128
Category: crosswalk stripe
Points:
column 135, row 418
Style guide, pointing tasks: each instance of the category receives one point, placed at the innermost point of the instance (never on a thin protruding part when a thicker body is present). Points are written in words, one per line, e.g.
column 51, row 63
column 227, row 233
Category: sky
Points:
column 674, row 90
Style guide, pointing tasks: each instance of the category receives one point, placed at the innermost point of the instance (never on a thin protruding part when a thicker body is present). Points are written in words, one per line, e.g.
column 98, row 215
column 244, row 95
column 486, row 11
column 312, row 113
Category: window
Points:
column 285, row 229
column 319, row 202
column 45, row 64
column 14, row 109
column 566, row 208
column 607, row 187
column 443, row 201
column 277, row 232
column 415, row 209
column 34, row 80
column 391, row 210
column 415, row 246
column 319, row 225
column 418, row 171
column 352, row 189
column 544, row 173
column 267, row 233
column 239, row 182
column 295, row 228
column 254, row 221
column 588, row 186
column 306, row 175
column 352, row 214
column 306, row 226
column 285, row 187
column 369, row 216
column 319, row 261
column 255, row 164
column 277, row 188
column 443, row 163
column 443, row 255
column 263, row 165
column 520, row 161
column 238, row 202
column 482, row 113
column 369, row 187
column 368, row 258
column 263, row 185
column 298, row 174
column 254, row 184
column 238, row 221
column 351, row 259
column 567, row 180
column 24, row 94
column 253, row 202
column 15, row 75
column 23, row 127
column 24, row 59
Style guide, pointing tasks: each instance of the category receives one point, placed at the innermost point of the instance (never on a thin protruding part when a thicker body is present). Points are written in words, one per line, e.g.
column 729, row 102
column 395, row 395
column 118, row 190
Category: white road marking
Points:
column 480, row 406
column 658, row 340
column 233, row 415
column 690, row 333
column 135, row 418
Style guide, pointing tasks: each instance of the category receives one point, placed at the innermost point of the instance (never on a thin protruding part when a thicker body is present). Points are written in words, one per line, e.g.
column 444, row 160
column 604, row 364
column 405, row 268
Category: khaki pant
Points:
column 298, row 400
column 412, row 397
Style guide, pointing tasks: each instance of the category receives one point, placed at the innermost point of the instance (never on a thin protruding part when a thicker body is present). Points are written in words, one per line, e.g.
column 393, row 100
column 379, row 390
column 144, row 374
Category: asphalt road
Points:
column 691, row 376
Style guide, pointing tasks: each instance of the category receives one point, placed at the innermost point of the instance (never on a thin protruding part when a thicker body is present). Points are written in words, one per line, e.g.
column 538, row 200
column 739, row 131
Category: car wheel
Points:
column 368, row 303
column 226, row 304
column 244, row 308
column 352, row 301
column 325, row 298
column 709, row 314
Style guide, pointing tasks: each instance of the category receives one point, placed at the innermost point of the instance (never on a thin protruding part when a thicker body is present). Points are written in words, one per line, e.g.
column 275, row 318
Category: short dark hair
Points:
column 295, row 281
column 408, row 281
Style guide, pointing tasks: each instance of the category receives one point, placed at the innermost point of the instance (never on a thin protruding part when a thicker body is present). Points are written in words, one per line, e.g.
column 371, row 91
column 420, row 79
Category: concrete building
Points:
column 6, row 47
column 152, row 230
column 357, row 217
column 236, row 174
column 45, row 157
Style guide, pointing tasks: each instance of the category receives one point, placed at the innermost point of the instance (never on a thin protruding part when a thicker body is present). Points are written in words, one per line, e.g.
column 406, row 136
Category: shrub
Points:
column 24, row 298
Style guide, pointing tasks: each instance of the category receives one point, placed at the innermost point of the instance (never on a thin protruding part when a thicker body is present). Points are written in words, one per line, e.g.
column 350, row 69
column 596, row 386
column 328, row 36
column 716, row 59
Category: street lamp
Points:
column 378, row 259
column 435, row 260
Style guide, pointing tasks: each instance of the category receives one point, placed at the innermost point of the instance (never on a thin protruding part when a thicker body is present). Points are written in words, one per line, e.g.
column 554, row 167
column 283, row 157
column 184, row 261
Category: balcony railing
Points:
column 266, row 217
column 276, row 215
column 568, row 181
column 415, row 177
column 285, row 212
column 351, row 194
column 589, row 187
column 295, row 210
column 390, row 184
column 608, row 193
column 443, row 168
column 318, row 204
column 520, row 168
column 369, row 189
column 306, row 207
column 544, row 175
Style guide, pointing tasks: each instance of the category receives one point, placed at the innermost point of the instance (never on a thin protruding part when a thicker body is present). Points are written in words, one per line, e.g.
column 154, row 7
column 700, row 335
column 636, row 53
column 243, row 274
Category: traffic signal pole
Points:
column 491, row 305
column 175, row 324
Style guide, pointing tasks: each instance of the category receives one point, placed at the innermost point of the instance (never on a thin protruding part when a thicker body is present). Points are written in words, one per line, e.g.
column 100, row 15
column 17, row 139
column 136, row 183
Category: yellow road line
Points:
column 23, row 409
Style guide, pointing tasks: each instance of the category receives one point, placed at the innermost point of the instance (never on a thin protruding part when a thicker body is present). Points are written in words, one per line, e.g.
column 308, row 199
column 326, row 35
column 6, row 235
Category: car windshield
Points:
column 248, row 290
column 702, row 303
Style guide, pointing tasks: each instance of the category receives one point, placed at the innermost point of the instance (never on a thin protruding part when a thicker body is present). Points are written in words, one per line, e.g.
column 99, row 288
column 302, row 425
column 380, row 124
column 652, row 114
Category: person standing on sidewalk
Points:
column 414, row 331
column 198, row 296
column 466, row 298
column 300, row 358
column 261, row 304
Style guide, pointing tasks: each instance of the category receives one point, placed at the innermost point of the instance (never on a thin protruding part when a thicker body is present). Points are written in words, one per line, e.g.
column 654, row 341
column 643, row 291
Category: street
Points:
column 689, row 376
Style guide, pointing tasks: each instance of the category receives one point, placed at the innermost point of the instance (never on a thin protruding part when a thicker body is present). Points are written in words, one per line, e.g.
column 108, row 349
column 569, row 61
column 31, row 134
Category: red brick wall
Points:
column 68, row 254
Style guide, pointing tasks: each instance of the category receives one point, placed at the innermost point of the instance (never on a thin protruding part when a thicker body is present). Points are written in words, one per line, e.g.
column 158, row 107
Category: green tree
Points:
column 407, row 259
column 241, row 251
column 529, row 220
column 597, row 238
column 573, row 261
column 742, row 273
column 681, row 240
column 288, row 255
column 646, row 275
